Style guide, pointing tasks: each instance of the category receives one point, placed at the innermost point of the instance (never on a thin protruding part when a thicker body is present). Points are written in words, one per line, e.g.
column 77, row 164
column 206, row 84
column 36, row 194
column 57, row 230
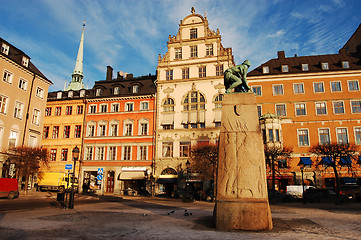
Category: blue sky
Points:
column 129, row 35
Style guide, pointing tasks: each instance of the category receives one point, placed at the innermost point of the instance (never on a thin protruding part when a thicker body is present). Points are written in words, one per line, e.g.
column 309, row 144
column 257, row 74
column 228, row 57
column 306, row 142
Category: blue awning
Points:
column 346, row 160
column 305, row 160
column 327, row 160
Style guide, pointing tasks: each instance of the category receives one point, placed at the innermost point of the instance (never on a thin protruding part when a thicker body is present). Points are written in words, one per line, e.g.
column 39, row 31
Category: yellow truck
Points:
column 56, row 181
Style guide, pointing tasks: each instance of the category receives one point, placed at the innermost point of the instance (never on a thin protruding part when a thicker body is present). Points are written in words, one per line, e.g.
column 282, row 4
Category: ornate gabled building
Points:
column 189, row 96
column 23, row 91
column 119, row 135
column 317, row 99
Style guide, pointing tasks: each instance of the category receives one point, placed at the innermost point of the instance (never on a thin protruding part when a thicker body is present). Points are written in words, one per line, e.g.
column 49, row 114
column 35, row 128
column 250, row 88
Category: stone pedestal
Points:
column 242, row 199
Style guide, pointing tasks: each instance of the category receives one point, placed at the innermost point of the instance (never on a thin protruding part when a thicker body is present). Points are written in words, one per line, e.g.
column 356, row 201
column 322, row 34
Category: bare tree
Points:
column 27, row 161
column 272, row 154
column 335, row 155
column 204, row 158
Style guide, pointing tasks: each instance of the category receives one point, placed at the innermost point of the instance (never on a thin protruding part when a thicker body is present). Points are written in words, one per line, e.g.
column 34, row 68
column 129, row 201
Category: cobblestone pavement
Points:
column 155, row 218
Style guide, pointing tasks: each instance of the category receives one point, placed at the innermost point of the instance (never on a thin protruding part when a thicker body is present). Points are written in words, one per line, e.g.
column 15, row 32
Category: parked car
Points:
column 280, row 197
column 9, row 187
column 319, row 195
column 352, row 192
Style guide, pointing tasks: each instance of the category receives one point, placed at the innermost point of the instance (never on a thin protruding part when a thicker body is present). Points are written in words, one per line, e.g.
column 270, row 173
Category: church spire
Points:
column 77, row 76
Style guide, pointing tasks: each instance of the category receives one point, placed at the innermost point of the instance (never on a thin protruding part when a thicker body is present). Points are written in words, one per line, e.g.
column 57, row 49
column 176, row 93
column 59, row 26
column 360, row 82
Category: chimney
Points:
column 109, row 73
column 281, row 55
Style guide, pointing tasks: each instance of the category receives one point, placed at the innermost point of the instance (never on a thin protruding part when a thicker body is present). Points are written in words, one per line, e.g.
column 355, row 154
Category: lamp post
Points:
column 188, row 166
column 75, row 158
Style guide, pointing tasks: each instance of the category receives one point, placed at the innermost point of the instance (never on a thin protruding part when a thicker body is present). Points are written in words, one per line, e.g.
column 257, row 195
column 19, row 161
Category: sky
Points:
column 130, row 34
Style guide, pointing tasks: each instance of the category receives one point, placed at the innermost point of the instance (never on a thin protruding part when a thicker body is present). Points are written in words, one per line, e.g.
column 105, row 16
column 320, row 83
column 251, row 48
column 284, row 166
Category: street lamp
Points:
column 188, row 166
column 302, row 165
column 75, row 158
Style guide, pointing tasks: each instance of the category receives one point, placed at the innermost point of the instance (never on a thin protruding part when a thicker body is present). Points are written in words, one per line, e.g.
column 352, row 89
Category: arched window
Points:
column 169, row 171
column 193, row 114
column 194, row 101
column 168, row 105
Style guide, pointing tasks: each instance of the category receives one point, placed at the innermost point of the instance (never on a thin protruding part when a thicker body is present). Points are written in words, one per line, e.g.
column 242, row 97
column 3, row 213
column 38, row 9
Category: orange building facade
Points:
column 119, row 135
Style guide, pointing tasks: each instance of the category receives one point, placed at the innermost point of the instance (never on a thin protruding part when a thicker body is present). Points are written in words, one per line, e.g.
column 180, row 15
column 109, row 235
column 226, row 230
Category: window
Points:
column 178, row 53
column 324, row 66
column 282, row 163
column 112, row 153
column 194, row 101
column 103, row 108
column 218, row 101
column 46, row 132
column 128, row 129
column 98, row 92
column 115, row 107
column 70, row 94
column 82, row 93
column 303, row 137
column 168, row 126
column 184, row 149
column 209, row 49
column 8, row 77
column 59, row 95
column 91, row 131
column 277, row 135
column 342, row 136
column 167, row 149
column 18, row 111
column 168, row 105
column 193, row 33
column 135, row 89
column 129, row 107
column 23, row 84
column 318, row 87
column 144, row 129
column 345, row 64
column 116, row 90
column 144, row 105
column 53, row 155
column 13, row 139
column 320, row 108
column 259, row 111
column 79, row 109
column 69, row 110
column 114, row 130
column 298, row 88
column 93, row 109
column 305, row 67
column 89, row 153
column 143, row 153
column 336, row 86
column 169, row 75
column 202, row 71
column 219, row 70
column 185, row 73
column 66, row 131
column 281, row 109
column 257, row 90
column 48, row 111
column 300, row 109
column 324, row 135
column 284, row 68
column 25, row 61
column 99, row 153
column 64, row 154
column 338, row 107
column 57, row 111
column 102, row 130
column 36, row 117
column 3, row 104
column 356, row 106
column 127, row 152
column 278, row 89
column 55, row 132
column 194, row 51
column 353, row 85
column 358, row 135
column 265, row 69
column 270, row 135
column 77, row 133
column 5, row 48
column 39, row 92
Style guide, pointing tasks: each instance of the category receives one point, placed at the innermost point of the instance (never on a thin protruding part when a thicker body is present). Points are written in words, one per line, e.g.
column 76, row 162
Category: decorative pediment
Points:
column 168, row 90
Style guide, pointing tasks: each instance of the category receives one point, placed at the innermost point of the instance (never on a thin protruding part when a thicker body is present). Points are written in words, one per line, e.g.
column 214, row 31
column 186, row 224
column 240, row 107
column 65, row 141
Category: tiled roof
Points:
column 314, row 64
column 16, row 55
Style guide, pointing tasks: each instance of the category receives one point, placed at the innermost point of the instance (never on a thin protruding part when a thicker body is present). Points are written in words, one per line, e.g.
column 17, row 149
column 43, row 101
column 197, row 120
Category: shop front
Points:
column 168, row 183
column 133, row 181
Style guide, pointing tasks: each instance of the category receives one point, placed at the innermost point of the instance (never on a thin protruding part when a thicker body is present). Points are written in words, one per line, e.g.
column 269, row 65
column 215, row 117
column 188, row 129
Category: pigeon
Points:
column 171, row 212
column 186, row 213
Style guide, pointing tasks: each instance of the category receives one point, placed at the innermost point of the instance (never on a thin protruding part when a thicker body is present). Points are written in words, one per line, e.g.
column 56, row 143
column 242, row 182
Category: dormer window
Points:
column 193, row 33
column 5, row 48
column 284, row 68
column 82, row 93
column 58, row 95
column 345, row 64
column 135, row 89
column 25, row 61
column 305, row 67
column 325, row 66
column 98, row 92
column 70, row 94
column 116, row 90
column 266, row 69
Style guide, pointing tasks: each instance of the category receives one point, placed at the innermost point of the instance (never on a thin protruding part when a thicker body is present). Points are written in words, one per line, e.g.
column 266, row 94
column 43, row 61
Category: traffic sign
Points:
column 100, row 171
column 100, row 177
column 68, row 166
